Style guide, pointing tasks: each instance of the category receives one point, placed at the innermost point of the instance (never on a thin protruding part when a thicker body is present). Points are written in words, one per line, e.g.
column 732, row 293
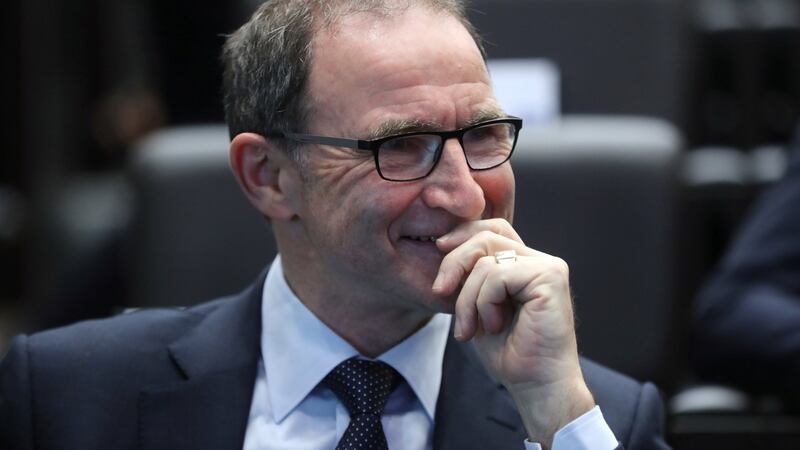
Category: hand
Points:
column 519, row 316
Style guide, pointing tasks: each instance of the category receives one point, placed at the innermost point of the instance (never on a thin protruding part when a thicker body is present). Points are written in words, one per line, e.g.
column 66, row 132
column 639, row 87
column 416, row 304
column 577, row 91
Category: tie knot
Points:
column 362, row 386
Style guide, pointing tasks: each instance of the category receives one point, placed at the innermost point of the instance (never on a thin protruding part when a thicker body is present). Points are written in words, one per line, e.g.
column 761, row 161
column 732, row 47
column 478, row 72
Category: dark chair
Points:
column 194, row 235
column 602, row 193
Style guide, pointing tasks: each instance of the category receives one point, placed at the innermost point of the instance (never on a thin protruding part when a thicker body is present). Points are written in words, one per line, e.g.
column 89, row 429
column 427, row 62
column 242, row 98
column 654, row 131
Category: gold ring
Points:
column 505, row 256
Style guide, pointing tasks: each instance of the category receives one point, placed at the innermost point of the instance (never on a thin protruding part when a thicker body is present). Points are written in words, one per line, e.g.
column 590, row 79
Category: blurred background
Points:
column 651, row 128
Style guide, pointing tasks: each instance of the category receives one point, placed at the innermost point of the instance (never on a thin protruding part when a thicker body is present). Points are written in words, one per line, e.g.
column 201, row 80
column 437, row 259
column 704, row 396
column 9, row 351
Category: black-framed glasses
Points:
column 412, row 156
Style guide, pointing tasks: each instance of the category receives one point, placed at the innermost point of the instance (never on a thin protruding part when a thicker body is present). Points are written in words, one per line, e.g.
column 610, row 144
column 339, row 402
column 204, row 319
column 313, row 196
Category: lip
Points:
column 418, row 230
column 421, row 223
column 418, row 249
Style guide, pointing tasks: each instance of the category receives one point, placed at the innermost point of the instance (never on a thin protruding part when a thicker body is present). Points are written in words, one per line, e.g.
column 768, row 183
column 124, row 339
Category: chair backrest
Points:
column 602, row 194
column 194, row 235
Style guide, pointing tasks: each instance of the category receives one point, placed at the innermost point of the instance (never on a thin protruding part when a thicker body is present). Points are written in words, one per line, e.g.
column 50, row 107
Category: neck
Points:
column 371, row 333
column 371, row 327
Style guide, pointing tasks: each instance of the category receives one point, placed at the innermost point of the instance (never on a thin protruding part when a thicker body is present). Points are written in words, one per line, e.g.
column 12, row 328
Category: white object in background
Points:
column 707, row 398
column 527, row 88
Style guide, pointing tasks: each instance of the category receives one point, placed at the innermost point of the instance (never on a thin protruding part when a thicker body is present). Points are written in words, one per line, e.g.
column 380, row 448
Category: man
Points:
column 747, row 317
column 346, row 341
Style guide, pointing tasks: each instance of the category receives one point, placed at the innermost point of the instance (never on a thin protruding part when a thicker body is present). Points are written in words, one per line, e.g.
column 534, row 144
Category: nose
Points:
column 452, row 187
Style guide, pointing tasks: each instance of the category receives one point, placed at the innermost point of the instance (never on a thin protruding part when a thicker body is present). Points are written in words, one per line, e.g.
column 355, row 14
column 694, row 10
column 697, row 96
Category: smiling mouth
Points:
column 421, row 238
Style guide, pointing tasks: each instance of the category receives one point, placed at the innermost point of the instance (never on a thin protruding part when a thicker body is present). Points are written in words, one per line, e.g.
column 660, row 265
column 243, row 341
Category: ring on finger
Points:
column 505, row 256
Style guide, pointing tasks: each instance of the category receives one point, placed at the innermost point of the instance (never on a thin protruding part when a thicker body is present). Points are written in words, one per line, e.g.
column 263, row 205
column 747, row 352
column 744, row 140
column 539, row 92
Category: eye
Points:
column 410, row 144
column 489, row 145
column 398, row 156
column 495, row 132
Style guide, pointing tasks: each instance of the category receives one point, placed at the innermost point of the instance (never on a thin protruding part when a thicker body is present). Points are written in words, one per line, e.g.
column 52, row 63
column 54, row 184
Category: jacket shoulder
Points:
column 119, row 347
column 633, row 410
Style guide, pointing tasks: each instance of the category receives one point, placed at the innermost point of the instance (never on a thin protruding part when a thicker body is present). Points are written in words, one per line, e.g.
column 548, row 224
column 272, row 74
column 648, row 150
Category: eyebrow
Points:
column 400, row 126
column 482, row 115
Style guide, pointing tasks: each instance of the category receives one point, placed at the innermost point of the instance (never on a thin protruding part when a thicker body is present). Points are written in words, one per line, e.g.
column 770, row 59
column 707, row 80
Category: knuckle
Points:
column 545, row 292
column 476, row 254
column 485, row 234
column 504, row 228
column 485, row 263
column 499, row 225
column 560, row 266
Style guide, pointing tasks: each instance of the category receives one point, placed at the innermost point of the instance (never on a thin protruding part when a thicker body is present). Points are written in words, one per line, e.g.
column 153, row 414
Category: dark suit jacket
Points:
column 183, row 379
column 747, row 318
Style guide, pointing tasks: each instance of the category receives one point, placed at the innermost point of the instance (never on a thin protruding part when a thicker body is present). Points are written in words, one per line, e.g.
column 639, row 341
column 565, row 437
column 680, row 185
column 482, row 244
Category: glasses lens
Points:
column 408, row 157
column 489, row 145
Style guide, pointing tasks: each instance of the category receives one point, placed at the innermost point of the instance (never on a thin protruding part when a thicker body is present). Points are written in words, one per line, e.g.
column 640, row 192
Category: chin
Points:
column 437, row 304
column 415, row 293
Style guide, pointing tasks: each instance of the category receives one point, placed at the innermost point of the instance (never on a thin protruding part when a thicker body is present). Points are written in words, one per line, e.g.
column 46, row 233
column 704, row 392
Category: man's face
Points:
column 373, row 77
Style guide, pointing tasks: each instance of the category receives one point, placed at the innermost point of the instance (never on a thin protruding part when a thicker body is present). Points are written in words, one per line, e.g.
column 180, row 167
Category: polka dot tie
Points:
column 363, row 387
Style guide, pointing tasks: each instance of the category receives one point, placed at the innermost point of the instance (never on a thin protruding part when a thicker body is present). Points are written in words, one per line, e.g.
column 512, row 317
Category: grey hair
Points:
column 267, row 60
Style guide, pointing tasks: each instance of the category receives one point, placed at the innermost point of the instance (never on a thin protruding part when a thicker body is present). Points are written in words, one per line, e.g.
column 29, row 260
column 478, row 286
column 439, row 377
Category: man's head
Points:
column 268, row 59
column 346, row 234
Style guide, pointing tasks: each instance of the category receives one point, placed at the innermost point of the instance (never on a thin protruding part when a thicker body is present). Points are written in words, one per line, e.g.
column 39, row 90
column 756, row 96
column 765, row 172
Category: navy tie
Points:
column 363, row 387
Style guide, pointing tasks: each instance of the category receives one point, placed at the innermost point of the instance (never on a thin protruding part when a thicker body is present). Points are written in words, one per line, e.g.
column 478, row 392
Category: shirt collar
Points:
column 299, row 350
column 419, row 360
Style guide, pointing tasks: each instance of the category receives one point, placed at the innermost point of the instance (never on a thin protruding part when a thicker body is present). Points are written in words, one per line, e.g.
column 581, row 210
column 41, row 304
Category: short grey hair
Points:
column 267, row 60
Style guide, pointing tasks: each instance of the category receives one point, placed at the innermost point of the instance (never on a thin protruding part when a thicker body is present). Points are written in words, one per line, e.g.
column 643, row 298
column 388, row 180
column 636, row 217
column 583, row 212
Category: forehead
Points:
column 412, row 65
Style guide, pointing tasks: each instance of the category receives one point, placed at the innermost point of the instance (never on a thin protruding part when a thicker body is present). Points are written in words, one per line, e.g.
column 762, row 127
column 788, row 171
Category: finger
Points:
column 493, row 301
column 457, row 264
column 506, row 287
column 463, row 232
column 465, row 310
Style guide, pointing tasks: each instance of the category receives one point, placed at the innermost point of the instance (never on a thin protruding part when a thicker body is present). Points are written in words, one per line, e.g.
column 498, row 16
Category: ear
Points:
column 262, row 170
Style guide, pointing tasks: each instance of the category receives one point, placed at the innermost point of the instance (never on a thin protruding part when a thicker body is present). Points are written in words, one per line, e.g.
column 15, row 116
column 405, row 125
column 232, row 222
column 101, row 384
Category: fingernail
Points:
column 437, row 283
column 457, row 329
column 441, row 239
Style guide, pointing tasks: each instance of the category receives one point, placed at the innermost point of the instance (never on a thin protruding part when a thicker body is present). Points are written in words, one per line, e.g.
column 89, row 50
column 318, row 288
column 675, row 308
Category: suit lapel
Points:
column 473, row 411
column 218, row 360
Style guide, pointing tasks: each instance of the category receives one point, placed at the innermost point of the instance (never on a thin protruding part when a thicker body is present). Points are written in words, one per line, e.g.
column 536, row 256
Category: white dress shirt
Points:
column 291, row 411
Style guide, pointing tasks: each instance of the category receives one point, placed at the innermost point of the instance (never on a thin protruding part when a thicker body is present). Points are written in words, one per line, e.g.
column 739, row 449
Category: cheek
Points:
column 335, row 187
column 378, row 209
column 498, row 188
column 384, row 203
column 360, row 212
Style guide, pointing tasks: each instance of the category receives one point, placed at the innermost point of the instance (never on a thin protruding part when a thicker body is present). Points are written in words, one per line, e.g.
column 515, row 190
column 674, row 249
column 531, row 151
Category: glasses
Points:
column 412, row 156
